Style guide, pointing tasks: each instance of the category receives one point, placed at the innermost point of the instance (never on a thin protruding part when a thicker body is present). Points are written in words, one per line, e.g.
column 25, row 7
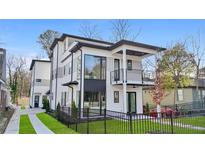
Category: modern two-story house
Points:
column 98, row 74
column 40, row 82
column 3, row 88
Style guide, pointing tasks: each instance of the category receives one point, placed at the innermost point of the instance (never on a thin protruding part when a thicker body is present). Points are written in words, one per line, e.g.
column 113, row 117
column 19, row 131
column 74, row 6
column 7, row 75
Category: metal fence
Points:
column 93, row 121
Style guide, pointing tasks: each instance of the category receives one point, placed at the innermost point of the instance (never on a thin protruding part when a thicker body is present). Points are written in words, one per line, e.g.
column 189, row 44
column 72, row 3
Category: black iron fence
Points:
column 95, row 121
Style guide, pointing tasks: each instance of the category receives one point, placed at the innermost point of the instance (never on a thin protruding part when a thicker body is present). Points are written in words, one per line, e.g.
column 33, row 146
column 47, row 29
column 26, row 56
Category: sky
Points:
column 19, row 37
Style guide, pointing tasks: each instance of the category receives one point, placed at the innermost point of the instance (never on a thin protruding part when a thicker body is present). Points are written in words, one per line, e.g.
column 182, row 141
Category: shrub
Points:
column 46, row 105
column 74, row 111
column 58, row 111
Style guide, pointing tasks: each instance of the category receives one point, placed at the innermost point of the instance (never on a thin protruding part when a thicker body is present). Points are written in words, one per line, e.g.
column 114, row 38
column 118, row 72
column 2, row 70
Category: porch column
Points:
column 124, row 60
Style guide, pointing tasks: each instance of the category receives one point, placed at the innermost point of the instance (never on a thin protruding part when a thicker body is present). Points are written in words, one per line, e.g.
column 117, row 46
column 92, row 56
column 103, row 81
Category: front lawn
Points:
column 25, row 125
column 54, row 125
column 139, row 127
column 194, row 121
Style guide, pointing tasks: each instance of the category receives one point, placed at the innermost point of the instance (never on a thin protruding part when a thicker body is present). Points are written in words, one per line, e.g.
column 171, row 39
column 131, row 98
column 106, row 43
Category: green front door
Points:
column 131, row 102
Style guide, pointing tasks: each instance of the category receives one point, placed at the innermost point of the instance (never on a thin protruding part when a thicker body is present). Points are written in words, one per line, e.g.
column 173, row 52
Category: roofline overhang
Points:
column 36, row 60
column 111, row 46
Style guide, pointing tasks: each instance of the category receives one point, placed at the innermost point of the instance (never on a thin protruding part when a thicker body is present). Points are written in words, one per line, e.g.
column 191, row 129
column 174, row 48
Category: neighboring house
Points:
column 3, row 88
column 183, row 95
column 98, row 74
column 40, row 81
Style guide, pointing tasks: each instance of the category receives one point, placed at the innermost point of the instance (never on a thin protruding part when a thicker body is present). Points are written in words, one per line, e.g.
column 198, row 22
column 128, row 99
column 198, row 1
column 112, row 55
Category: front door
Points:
column 131, row 102
column 36, row 101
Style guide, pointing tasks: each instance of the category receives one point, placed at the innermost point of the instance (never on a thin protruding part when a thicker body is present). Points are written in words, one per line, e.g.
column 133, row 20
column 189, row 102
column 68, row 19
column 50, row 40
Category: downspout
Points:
column 51, row 81
column 71, row 76
column 33, row 104
column 56, row 76
column 81, row 72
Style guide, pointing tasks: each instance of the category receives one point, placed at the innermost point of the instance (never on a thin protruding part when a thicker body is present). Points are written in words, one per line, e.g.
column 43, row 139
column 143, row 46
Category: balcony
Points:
column 134, row 76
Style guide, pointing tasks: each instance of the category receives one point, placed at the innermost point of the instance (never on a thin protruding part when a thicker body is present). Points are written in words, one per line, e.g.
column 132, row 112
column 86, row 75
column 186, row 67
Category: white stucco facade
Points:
column 70, row 63
column 40, row 81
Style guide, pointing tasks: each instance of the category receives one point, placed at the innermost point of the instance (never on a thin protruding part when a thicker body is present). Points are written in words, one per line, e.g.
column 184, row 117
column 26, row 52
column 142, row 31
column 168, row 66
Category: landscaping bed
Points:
column 5, row 117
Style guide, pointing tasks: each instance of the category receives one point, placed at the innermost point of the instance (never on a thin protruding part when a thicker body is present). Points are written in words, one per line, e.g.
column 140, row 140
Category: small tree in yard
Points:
column 177, row 65
column 46, row 105
column 158, row 91
column 73, row 111
column 58, row 111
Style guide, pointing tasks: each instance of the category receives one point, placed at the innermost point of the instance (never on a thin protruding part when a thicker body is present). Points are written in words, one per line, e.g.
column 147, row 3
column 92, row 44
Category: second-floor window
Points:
column 95, row 67
column 129, row 64
column 38, row 80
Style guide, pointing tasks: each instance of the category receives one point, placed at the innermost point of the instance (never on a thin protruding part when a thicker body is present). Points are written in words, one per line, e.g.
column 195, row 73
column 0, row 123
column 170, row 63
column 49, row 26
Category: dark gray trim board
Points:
column 36, row 60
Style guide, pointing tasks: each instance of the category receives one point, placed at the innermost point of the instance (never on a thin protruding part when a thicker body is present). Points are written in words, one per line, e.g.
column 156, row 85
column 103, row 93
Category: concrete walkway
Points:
column 13, row 126
column 39, row 127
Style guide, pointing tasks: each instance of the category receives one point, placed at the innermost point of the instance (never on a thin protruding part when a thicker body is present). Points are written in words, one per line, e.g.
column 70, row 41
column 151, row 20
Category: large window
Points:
column 95, row 67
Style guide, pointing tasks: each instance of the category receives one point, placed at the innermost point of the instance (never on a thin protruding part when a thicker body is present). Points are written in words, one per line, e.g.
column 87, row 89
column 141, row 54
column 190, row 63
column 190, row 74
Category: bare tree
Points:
column 121, row 29
column 198, row 50
column 90, row 31
column 16, row 66
column 46, row 39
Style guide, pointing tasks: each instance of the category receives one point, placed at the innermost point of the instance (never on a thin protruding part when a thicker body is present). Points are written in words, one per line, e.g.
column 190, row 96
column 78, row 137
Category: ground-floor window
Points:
column 64, row 98
column 94, row 100
column 116, row 96
column 180, row 95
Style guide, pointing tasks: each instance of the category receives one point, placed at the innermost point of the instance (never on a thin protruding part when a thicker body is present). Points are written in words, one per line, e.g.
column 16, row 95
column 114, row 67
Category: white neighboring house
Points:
column 40, row 81
column 98, row 74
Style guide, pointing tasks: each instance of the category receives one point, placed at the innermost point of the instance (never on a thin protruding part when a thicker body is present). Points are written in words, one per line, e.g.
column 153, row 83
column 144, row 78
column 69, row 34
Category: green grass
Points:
column 23, row 107
column 25, row 125
column 122, row 127
column 54, row 125
column 194, row 121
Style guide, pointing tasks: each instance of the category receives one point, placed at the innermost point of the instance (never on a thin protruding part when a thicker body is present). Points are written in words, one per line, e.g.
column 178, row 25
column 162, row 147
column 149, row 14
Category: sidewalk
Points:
column 13, row 126
column 39, row 127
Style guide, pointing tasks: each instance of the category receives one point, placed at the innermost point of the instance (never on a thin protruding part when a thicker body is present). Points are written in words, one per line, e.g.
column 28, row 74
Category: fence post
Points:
column 68, row 117
column 87, row 120
column 172, row 127
column 131, row 131
column 105, row 126
column 76, row 120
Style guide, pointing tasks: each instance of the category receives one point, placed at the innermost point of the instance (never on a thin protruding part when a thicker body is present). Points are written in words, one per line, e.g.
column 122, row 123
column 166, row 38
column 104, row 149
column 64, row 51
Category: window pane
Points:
column 180, row 95
column 129, row 64
column 116, row 96
column 95, row 67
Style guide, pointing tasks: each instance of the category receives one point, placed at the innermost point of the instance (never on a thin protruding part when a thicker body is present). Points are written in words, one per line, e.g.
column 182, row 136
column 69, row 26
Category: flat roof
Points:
column 37, row 60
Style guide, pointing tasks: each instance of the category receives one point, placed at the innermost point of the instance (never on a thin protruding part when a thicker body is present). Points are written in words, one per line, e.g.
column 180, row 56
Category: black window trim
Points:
column 101, row 63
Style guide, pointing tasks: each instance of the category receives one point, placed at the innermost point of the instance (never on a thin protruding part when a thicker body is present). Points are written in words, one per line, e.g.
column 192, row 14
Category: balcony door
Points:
column 131, row 102
column 116, row 69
